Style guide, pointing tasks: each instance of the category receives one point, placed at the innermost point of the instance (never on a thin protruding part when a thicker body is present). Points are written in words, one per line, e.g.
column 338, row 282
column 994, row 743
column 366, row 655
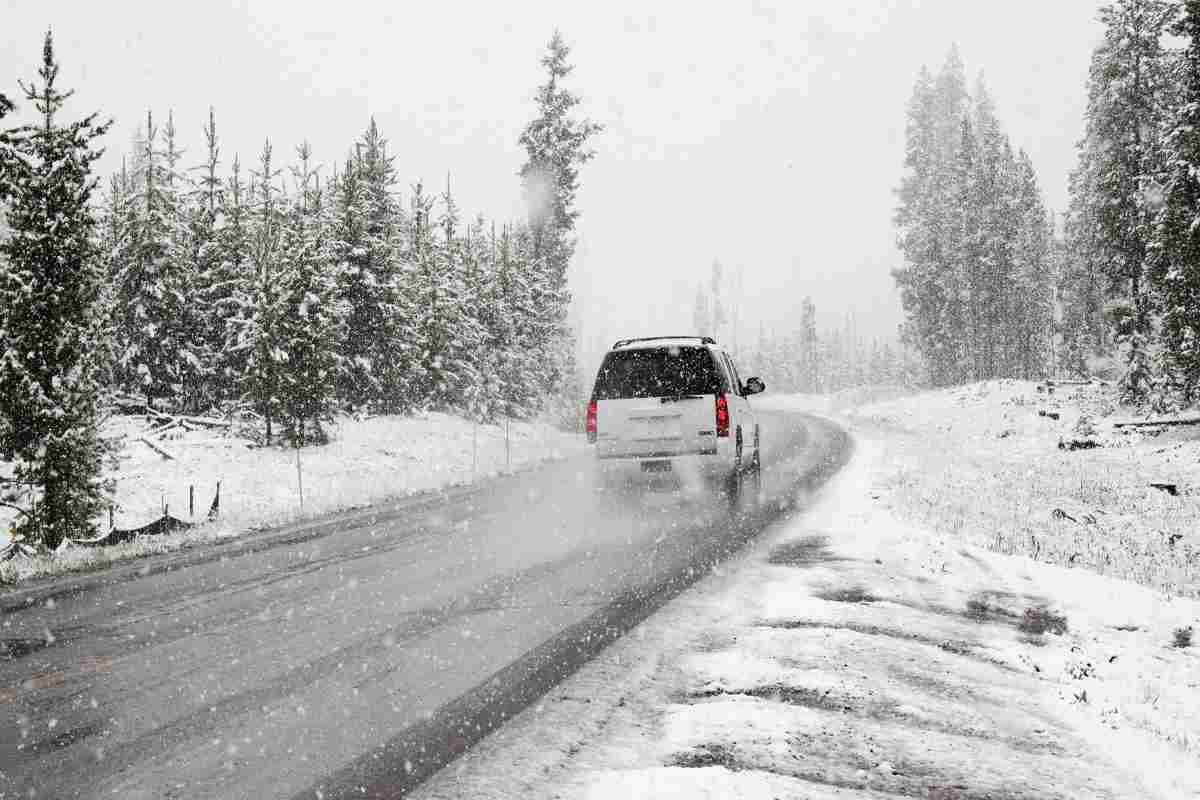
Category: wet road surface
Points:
column 367, row 651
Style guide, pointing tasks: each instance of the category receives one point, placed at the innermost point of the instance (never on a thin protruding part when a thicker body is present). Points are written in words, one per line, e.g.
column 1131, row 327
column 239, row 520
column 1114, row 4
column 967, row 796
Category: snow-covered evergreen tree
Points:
column 923, row 294
column 377, row 350
column 1029, row 308
column 975, row 283
column 438, row 296
column 228, row 284
column 1120, row 169
column 262, row 303
column 185, row 315
column 1082, row 284
column 461, row 276
column 357, row 289
column 114, row 233
column 1177, row 260
column 155, row 352
column 308, row 322
column 556, row 146
column 519, row 332
column 210, row 286
column 810, row 374
column 51, row 322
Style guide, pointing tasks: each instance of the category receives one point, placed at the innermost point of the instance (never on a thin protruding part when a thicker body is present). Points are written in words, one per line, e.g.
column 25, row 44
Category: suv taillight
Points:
column 722, row 415
column 591, row 421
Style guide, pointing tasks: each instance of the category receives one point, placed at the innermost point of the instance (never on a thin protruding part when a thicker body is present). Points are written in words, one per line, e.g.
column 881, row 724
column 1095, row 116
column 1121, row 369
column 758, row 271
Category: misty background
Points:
column 767, row 136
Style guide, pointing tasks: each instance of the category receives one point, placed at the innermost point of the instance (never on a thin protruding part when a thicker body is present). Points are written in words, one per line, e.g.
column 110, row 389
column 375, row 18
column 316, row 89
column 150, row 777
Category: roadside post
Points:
column 300, row 479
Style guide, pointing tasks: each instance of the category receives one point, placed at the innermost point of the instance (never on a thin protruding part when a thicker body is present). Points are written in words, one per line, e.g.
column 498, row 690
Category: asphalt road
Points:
column 356, row 657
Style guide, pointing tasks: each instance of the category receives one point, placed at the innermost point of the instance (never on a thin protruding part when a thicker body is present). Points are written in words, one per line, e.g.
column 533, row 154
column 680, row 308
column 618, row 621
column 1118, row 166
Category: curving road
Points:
column 355, row 657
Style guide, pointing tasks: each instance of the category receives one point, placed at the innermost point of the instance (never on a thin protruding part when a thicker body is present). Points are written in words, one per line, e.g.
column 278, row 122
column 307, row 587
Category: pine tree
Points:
column 153, row 347
column 392, row 350
column 375, row 272
column 466, row 331
column 437, row 298
column 521, row 368
column 810, row 375
column 184, row 314
column 1082, row 288
column 975, row 283
column 228, row 285
column 113, row 245
column 262, row 304
column 1120, row 165
column 212, row 283
column 960, row 324
column 50, row 319
column 308, row 323
column 920, row 219
column 1030, row 306
column 556, row 146
column 1176, row 271
column 356, row 289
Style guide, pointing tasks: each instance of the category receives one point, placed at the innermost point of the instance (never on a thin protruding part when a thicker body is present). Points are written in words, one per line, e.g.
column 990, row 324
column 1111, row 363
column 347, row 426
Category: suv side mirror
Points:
column 754, row 386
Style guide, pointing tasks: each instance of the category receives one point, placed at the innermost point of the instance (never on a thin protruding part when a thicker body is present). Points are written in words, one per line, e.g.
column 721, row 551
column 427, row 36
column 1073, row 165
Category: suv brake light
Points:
column 591, row 421
column 722, row 416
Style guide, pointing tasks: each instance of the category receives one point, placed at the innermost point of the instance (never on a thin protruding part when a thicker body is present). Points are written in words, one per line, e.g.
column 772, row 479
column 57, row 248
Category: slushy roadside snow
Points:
column 850, row 654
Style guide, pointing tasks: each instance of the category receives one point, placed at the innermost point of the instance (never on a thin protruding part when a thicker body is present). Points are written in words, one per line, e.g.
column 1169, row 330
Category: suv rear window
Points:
column 657, row 372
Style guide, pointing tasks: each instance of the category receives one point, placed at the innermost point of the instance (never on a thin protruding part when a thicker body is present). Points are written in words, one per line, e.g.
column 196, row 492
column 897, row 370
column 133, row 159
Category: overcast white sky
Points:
column 768, row 135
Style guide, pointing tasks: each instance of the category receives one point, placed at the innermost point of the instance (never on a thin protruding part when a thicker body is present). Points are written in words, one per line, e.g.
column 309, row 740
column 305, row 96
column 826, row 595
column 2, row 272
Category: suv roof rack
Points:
column 623, row 342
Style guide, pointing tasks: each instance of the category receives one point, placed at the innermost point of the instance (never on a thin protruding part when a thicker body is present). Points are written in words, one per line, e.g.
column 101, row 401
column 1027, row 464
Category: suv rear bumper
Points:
column 642, row 456
column 647, row 450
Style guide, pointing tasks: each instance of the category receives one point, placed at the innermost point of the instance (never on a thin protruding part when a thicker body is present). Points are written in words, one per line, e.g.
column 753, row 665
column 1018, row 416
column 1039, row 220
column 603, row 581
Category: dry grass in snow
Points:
column 983, row 462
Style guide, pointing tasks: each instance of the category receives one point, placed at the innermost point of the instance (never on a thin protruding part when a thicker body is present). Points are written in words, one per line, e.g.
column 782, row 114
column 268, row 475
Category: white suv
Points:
column 660, row 399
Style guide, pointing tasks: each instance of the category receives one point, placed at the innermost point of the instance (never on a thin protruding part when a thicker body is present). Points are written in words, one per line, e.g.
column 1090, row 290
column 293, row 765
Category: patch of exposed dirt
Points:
column 855, row 594
column 806, row 552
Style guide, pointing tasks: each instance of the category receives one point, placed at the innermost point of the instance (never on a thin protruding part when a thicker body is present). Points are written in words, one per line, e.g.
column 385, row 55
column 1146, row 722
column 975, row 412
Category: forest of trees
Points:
column 1130, row 255
column 299, row 292
column 802, row 359
column 976, row 283
column 829, row 360
column 291, row 290
column 991, row 288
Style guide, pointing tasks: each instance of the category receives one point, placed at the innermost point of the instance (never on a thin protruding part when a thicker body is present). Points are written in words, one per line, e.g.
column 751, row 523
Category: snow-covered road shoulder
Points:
column 852, row 655
column 368, row 462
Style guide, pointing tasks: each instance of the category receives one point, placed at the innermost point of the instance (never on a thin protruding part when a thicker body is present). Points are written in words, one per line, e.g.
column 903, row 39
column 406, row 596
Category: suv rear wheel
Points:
column 735, row 481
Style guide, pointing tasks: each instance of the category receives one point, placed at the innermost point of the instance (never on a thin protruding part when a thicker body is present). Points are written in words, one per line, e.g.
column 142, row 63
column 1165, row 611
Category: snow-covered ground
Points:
column 368, row 461
column 853, row 654
column 983, row 462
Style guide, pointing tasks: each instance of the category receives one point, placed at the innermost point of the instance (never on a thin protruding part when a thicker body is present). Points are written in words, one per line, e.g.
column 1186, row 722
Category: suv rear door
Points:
column 657, row 402
column 739, row 405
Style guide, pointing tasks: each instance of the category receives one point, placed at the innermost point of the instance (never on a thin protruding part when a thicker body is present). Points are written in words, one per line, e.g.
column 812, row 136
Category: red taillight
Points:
column 722, row 416
column 591, row 421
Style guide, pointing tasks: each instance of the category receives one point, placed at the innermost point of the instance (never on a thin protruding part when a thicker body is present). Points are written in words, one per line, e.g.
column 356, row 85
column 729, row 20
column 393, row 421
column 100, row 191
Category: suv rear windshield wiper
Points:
column 678, row 397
